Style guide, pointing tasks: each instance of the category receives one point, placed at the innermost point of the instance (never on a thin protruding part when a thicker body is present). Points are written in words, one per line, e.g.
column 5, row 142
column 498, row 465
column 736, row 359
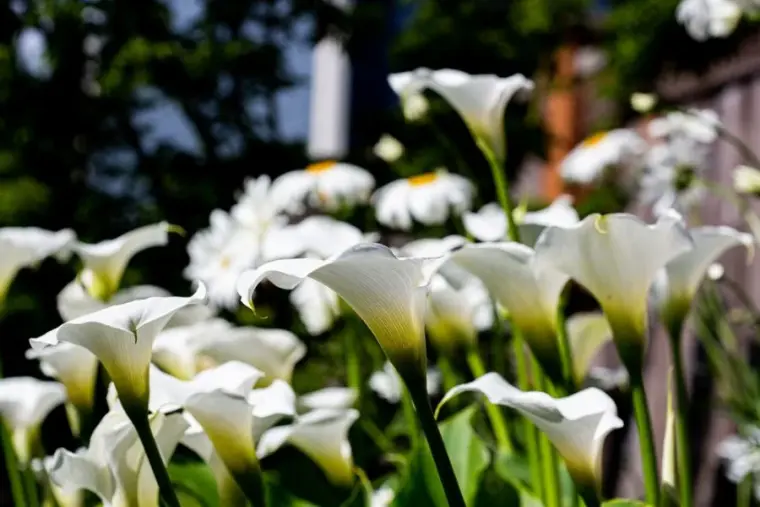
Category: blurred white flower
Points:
column 594, row 158
column 479, row 99
column 428, row 198
column 698, row 125
column 387, row 383
column 25, row 402
column 62, row 496
column 704, row 19
column 388, row 293
column 114, row 466
column 26, row 246
column 325, row 186
column 256, row 209
column 31, row 52
column 742, row 452
column 608, row 379
column 318, row 306
column 388, row 148
column 415, row 107
column 746, row 180
column 382, row 497
column 716, row 271
column 670, row 179
column 315, row 236
column 320, row 434
column 122, row 337
column 333, row 398
column 104, row 263
column 77, row 369
column 643, row 102
column 577, row 425
column 177, row 351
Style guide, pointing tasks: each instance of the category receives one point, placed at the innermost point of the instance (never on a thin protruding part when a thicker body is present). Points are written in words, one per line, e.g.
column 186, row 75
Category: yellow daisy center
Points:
column 321, row 167
column 225, row 262
column 422, row 179
column 594, row 139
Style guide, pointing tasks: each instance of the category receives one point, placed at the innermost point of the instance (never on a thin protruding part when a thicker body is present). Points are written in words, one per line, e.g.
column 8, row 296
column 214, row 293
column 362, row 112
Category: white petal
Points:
column 108, row 259
column 587, row 333
column 122, row 338
column 488, row 224
column 560, row 213
column 335, row 398
column 74, row 366
column 323, row 436
column 317, row 305
column 391, row 208
column 77, row 471
column 177, row 350
column 616, row 258
column 529, row 292
column 26, row 401
column 273, row 351
column 577, row 424
column 270, row 405
column 387, row 292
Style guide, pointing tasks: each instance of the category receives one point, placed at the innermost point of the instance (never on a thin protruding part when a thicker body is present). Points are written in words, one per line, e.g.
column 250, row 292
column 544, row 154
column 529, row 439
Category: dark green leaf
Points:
column 469, row 455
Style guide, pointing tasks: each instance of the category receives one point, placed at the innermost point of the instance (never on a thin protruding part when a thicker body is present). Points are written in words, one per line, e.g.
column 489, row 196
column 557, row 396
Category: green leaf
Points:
column 624, row 502
column 194, row 483
column 469, row 455
column 421, row 485
column 514, row 469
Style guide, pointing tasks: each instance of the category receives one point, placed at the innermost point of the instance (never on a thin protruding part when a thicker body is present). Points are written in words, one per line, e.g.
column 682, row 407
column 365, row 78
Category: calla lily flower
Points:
column 389, row 293
column 479, row 99
column 678, row 283
column 115, row 467
column 25, row 402
column 528, row 291
column 587, row 333
column 105, row 262
column 122, row 337
column 320, row 434
column 178, row 350
column 387, row 383
column 273, row 351
column 26, row 246
column 490, row 223
column 332, row 398
column 577, row 425
column 58, row 496
column 77, row 369
column 616, row 257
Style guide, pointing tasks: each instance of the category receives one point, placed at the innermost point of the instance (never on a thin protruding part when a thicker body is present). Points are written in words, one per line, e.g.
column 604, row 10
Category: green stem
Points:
column 433, row 436
column 498, row 343
column 646, row 438
column 566, row 352
column 139, row 418
column 448, row 375
column 744, row 492
column 549, row 459
column 530, row 432
column 30, row 483
column 353, row 368
column 407, row 405
column 494, row 412
column 11, row 465
column 683, row 451
column 502, row 190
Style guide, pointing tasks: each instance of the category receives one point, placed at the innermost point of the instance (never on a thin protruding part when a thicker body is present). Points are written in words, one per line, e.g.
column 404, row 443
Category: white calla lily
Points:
column 77, row 369
column 586, row 333
column 616, row 257
column 58, row 496
column 528, row 291
column 479, row 99
column 577, row 425
column 320, row 434
column 178, row 350
column 389, row 293
column 115, row 467
column 105, row 262
column 678, row 283
column 25, row 402
column 273, row 351
column 122, row 337
column 26, row 246
column 387, row 383
column 333, row 398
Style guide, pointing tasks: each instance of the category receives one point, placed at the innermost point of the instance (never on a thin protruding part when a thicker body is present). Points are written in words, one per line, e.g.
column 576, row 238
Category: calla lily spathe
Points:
column 105, row 262
column 178, row 350
column 577, row 425
column 587, row 333
column 320, row 434
column 529, row 291
column 115, row 467
column 58, row 496
column 26, row 246
column 678, row 283
column 77, row 369
column 616, row 257
column 122, row 337
column 389, row 293
column 479, row 99
column 25, row 402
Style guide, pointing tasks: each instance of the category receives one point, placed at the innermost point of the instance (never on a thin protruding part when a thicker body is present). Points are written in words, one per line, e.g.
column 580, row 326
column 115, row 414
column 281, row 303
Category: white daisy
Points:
column 325, row 185
column 428, row 198
column 256, row 208
column 709, row 18
column 698, row 125
column 743, row 456
column 593, row 157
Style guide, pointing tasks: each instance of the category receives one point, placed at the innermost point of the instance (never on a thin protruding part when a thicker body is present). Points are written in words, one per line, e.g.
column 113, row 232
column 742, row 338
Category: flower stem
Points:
column 744, row 492
column 549, row 459
column 353, row 368
column 407, row 405
column 139, row 418
column 566, row 352
column 502, row 190
column 495, row 415
column 530, row 432
column 448, row 375
column 646, row 438
column 498, row 343
column 446, row 474
column 683, row 451
column 32, row 494
column 11, row 465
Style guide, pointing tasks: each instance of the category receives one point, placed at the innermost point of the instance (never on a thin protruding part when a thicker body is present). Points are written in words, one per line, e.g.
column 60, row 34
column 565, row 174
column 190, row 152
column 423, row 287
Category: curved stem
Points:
column 498, row 343
column 407, row 405
column 502, row 190
column 495, row 415
column 646, row 438
column 11, row 466
column 437, row 448
column 140, row 421
column 683, row 451
column 353, row 368
column 566, row 352
column 549, row 459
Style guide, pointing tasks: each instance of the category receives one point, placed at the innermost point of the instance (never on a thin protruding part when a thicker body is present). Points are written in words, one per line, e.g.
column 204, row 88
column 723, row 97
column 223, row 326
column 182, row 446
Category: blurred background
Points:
column 116, row 113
